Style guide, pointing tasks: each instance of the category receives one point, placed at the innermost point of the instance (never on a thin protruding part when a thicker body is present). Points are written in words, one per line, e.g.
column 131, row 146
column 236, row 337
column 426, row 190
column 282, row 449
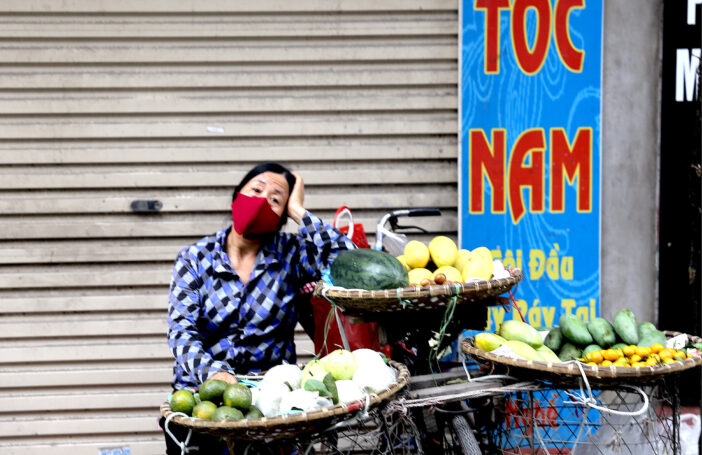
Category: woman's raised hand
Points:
column 297, row 197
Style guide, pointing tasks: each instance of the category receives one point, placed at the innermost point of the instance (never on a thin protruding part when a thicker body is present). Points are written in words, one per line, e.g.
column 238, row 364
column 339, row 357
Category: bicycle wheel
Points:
column 464, row 434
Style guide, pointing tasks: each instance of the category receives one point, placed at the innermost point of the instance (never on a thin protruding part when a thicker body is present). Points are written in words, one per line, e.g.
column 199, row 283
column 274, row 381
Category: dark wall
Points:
column 679, row 216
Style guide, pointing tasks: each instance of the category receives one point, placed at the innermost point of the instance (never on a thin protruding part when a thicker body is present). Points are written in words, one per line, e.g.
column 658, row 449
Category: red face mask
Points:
column 253, row 215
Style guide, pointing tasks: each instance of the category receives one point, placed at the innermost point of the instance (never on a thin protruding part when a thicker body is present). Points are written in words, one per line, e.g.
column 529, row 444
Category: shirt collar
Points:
column 268, row 254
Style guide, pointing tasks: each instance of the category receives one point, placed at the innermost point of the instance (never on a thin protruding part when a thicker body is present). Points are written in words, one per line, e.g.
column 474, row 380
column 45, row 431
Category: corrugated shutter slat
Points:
column 103, row 103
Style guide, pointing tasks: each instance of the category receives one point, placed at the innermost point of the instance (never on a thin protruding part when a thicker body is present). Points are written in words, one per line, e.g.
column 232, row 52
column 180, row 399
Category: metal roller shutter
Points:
column 103, row 103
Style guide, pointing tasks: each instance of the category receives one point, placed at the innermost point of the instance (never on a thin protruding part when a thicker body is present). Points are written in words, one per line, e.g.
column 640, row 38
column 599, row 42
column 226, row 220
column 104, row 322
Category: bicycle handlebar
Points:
column 392, row 218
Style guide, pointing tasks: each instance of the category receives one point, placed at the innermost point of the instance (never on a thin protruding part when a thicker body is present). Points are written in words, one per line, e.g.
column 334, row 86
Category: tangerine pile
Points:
column 635, row 356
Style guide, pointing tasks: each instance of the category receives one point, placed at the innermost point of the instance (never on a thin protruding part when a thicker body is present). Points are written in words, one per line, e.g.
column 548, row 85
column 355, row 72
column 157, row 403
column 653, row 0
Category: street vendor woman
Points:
column 231, row 304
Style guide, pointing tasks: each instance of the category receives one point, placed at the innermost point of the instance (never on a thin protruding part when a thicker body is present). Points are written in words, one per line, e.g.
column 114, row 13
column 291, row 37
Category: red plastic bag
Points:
column 358, row 335
column 353, row 231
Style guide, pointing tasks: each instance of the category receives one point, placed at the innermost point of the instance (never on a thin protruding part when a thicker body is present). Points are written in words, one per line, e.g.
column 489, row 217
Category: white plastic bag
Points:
column 689, row 434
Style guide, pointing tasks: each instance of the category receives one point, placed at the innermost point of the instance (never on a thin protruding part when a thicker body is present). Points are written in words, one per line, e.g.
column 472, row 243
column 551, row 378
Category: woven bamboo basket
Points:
column 356, row 301
column 568, row 373
column 289, row 426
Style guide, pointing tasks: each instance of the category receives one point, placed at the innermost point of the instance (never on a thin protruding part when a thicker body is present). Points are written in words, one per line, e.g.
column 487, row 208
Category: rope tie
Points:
column 335, row 309
column 184, row 448
column 367, row 406
column 396, row 407
column 589, row 401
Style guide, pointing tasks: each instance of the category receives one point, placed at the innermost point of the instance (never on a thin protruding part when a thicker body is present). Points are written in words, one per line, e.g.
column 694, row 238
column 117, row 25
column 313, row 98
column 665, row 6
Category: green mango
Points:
column 554, row 339
column 569, row 352
column 520, row 331
column 602, row 332
column 644, row 328
column 625, row 325
column 574, row 329
column 547, row 354
column 650, row 338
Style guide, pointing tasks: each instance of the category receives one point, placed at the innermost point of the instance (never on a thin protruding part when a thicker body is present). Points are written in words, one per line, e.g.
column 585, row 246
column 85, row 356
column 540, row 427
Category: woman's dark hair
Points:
column 269, row 167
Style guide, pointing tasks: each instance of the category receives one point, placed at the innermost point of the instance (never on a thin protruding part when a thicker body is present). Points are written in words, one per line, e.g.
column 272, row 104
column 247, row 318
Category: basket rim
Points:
column 318, row 415
column 414, row 292
column 591, row 371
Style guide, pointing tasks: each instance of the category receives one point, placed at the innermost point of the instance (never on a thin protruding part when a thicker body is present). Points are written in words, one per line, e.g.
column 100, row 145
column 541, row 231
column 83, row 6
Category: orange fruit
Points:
column 629, row 351
column 634, row 358
column 656, row 348
column 642, row 351
column 611, row 355
column 606, row 363
column 592, row 363
column 651, row 362
column 621, row 362
column 594, row 356
column 666, row 354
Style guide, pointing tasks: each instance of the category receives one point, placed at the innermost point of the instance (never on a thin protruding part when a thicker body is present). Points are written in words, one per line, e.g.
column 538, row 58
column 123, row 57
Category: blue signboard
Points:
column 530, row 148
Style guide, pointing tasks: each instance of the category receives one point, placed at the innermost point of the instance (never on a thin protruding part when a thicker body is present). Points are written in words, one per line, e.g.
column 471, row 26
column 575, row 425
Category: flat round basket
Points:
column 568, row 373
column 354, row 301
column 288, row 426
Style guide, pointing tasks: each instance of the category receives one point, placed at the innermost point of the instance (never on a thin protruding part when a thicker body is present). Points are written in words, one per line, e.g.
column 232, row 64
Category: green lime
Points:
column 253, row 413
column 227, row 413
column 212, row 390
column 237, row 396
column 182, row 401
column 204, row 410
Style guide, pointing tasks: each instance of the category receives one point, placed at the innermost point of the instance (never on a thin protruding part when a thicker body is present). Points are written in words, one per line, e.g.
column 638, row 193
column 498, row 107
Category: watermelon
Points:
column 368, row 269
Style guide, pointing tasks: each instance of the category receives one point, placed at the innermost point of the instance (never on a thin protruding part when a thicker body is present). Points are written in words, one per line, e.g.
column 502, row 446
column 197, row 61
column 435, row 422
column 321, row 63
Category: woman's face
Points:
column 271, row 186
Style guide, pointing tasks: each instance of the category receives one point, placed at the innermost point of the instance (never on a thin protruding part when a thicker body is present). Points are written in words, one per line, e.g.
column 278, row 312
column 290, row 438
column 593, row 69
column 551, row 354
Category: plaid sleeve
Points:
column 184, row 309
column 321, row 244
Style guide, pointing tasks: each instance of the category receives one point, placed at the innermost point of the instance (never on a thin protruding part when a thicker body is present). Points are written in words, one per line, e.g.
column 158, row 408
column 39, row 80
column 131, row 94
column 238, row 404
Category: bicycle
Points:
column 449, row 425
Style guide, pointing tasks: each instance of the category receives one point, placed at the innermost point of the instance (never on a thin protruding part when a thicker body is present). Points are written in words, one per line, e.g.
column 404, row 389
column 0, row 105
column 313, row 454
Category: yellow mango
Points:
column 523, row 350
column 487, row 341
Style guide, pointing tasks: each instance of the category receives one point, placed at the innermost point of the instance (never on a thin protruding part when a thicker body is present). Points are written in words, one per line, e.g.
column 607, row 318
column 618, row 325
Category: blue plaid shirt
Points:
column 218, row 323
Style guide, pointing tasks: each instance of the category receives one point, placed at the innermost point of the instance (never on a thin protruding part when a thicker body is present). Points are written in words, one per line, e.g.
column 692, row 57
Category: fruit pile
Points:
column 216, row 400
column 634, row 356
column 623, row 342
column 420, row 265
column 341, row 376
column 442, row 262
